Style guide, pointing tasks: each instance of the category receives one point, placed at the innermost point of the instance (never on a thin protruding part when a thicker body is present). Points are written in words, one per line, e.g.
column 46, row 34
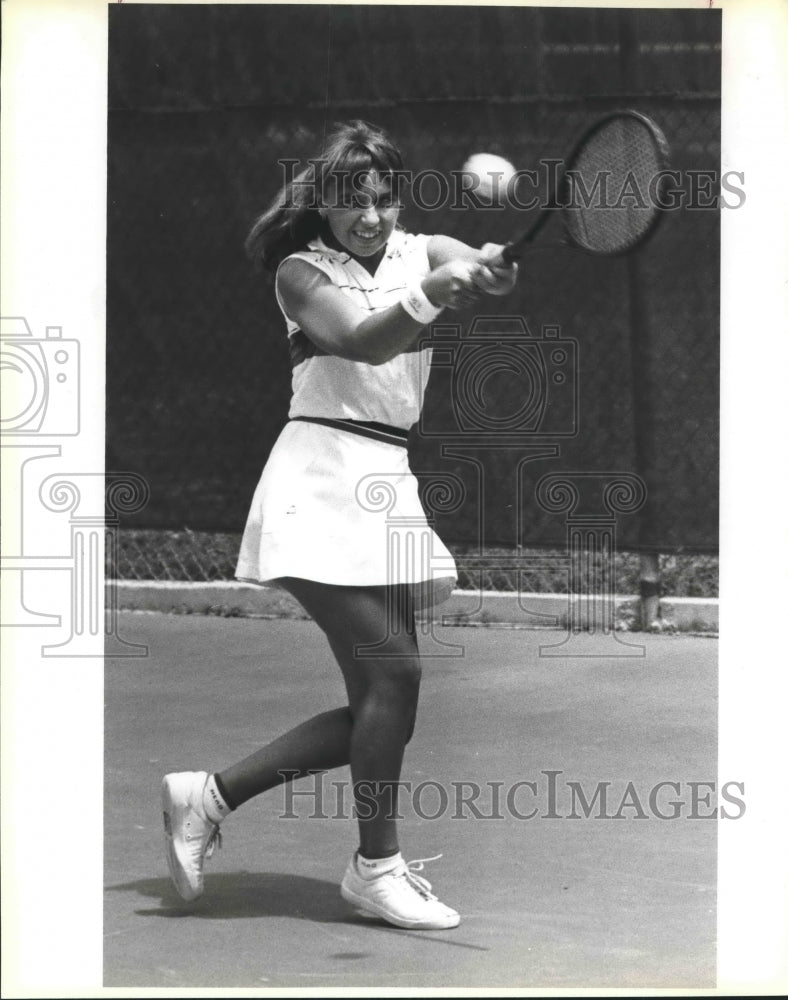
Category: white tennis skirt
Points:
column 340, row 508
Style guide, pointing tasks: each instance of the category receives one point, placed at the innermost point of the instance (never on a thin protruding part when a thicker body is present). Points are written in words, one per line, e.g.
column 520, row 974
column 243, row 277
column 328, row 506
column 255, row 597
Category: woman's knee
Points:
column 377, row 653
column 388, row 677
column 392, row 687
column 404, row 675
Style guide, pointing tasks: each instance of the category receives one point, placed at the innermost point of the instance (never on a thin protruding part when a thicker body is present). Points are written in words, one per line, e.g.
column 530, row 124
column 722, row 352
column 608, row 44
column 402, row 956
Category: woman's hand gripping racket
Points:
column 608, row 193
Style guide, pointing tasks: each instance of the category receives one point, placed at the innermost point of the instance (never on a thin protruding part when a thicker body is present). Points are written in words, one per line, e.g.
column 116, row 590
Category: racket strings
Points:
column 610, row 196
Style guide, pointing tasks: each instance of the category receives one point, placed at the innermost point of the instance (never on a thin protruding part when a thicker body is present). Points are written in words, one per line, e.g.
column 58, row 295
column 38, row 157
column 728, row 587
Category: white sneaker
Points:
column 398, row 896
column 189, row 836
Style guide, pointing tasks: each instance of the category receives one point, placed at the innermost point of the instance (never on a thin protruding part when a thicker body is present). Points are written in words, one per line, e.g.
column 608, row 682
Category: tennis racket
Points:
column 608, row 194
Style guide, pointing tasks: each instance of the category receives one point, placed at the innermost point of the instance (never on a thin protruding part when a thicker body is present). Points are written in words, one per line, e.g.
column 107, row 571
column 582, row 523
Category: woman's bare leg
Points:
column 370, row 631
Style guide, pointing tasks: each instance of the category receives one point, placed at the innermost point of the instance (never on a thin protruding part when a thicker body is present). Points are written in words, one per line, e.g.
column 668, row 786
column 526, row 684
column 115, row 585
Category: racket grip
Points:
column 509, row 255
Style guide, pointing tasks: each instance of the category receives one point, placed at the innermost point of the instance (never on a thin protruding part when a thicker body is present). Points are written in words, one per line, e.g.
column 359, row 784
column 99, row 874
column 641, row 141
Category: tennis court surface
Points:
column 618, row 898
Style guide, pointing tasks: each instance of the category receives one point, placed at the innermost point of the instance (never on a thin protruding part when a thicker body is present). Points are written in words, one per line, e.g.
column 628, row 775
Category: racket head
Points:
column 610, row 192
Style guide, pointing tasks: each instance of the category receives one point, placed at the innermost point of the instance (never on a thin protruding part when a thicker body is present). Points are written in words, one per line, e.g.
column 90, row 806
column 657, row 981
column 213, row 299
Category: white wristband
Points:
column 416, row 304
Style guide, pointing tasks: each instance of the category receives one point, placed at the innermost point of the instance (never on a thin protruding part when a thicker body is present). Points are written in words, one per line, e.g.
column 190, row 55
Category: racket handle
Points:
column 508, row 256
column 510, row 253
column 515, row 249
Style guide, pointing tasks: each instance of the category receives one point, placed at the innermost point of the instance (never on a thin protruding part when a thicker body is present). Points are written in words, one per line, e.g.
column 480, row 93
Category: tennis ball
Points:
column 490, row 174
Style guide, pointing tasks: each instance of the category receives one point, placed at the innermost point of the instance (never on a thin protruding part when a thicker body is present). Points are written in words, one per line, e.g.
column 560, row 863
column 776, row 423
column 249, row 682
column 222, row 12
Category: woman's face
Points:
column 367, row 219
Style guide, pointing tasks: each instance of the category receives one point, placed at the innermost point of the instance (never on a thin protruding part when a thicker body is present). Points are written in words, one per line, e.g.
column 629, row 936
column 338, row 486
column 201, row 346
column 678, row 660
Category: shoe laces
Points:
column 418, row 882
column 215, row 840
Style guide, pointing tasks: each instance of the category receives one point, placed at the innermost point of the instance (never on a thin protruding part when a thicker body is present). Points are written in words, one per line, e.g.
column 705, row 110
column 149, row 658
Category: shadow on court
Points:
column 549, row 896
column 249, row 895
column 231, row 896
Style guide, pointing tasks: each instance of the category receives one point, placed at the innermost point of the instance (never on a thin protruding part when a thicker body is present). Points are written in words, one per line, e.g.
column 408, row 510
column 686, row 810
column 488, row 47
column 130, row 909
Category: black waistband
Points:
column 366, row 428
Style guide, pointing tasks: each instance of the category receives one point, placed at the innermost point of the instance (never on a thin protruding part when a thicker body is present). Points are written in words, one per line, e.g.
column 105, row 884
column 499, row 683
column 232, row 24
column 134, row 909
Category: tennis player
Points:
column 356, row 292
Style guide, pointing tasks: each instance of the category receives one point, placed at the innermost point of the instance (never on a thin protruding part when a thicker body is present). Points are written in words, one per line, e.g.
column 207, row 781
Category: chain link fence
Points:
column 197, row 556
column 203, row 103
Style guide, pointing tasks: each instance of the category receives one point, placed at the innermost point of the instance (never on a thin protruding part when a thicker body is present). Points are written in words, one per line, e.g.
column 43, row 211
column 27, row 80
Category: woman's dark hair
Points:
column 352, row 149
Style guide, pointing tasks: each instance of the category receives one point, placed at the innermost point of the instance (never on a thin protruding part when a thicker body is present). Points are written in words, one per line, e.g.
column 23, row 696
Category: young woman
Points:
column 356, row 292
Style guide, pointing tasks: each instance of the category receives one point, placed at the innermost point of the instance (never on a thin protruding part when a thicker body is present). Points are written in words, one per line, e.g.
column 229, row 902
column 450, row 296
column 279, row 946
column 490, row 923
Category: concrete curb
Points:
column 233, row 599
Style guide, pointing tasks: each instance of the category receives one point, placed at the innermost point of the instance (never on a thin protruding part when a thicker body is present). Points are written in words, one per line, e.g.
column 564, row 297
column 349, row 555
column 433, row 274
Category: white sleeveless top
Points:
column 327, row 386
